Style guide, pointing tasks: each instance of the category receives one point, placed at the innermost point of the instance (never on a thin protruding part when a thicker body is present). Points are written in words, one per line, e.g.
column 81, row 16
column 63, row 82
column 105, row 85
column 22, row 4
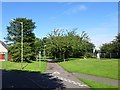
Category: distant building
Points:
column 98, row 53
column 3, row 52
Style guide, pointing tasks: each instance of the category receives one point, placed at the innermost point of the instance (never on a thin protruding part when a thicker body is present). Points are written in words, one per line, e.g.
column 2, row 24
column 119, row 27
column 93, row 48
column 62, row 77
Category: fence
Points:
column 110, row 55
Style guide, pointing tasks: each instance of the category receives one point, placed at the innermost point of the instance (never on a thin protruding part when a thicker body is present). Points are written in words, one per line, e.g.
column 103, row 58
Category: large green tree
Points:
column 64, row 44
column 14, row 37
column 113, row 47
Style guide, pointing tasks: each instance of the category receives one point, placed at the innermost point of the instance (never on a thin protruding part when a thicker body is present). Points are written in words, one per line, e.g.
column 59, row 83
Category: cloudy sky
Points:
column 98, row 19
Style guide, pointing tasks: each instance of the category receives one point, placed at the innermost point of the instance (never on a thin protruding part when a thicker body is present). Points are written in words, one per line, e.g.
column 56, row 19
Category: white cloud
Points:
column 1, row 34
column 106, row 32
column 101, row 35
column 69, row 3
column 53, row 18
column 100, row 39
column 75, row 9
column 82, row 7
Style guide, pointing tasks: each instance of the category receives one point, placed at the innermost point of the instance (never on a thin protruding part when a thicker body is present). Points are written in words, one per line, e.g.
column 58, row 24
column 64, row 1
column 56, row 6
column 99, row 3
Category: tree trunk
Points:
column 64, row 56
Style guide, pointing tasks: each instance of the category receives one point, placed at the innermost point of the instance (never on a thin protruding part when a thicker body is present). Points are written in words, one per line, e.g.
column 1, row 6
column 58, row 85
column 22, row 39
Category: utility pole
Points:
column 39, row 64
column 21, row 23
column 21, row 45
column 44, row 52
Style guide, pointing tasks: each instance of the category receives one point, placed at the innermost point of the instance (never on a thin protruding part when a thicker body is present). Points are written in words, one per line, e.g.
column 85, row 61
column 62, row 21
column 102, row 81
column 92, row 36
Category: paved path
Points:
column 68, row 80
column 97, row 79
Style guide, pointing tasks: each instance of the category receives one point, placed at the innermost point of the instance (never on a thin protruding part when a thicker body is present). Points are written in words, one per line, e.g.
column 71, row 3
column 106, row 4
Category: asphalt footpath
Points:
column 97, row 79
column 68, row 80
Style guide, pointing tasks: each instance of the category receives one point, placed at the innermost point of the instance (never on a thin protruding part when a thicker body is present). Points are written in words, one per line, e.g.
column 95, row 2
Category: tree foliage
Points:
column 14, row 36
column 59, row 43
column 112, row 47
column 63, row 44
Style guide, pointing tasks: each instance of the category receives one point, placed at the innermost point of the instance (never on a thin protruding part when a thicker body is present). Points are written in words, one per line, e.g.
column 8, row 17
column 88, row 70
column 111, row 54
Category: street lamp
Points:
column 39, row 59
column 44, row 52
column 21, row 23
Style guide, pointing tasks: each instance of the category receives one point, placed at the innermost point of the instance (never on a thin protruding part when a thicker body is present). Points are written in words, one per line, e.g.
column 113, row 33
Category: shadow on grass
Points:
column 61, row 60
column 43, row 60
column 54, row 60
column 29, row 79
column 57, row 60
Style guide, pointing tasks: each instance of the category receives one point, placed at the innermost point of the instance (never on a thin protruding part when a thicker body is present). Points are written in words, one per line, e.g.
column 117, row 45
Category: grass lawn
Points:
column 34, row 66
column 95, row 85
column 103, row 67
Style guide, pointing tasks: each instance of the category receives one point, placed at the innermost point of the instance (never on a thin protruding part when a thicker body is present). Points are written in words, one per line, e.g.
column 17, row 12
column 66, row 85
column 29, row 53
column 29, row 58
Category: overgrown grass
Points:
column 34, row 66
column 95, row 85
column 103, row 67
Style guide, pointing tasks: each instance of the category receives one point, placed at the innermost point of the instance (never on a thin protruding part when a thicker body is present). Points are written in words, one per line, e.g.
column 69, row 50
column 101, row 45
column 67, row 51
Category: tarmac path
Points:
column 67, row 78
column 97, row 79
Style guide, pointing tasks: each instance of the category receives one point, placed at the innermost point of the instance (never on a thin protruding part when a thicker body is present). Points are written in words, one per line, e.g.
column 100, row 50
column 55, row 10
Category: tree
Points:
column 14, row 36
column 38, row 45
column 112, row 47
column 116, row 44
column 61, row 44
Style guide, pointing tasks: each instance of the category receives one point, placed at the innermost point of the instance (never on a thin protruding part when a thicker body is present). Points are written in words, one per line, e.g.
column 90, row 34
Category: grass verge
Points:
column 103, row 67
column 96, row 85
column 34, row 66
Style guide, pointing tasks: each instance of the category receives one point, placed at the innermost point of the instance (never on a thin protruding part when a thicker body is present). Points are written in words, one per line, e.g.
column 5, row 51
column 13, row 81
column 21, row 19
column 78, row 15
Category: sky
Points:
column 98, row 19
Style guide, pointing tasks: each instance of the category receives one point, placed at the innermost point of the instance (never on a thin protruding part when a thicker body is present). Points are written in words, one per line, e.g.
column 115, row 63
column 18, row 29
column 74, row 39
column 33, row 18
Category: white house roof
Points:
column 3, row 47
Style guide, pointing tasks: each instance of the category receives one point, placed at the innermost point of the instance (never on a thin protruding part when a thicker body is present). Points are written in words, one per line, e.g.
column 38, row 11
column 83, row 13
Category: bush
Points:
column 87, row 54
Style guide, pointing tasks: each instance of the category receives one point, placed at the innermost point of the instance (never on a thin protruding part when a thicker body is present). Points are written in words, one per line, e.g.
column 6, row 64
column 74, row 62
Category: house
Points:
column 3, row 52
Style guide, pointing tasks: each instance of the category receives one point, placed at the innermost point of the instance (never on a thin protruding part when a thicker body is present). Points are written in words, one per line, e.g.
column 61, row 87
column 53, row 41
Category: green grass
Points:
column 34, row 66
column 103, row 67
column 95, row 85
